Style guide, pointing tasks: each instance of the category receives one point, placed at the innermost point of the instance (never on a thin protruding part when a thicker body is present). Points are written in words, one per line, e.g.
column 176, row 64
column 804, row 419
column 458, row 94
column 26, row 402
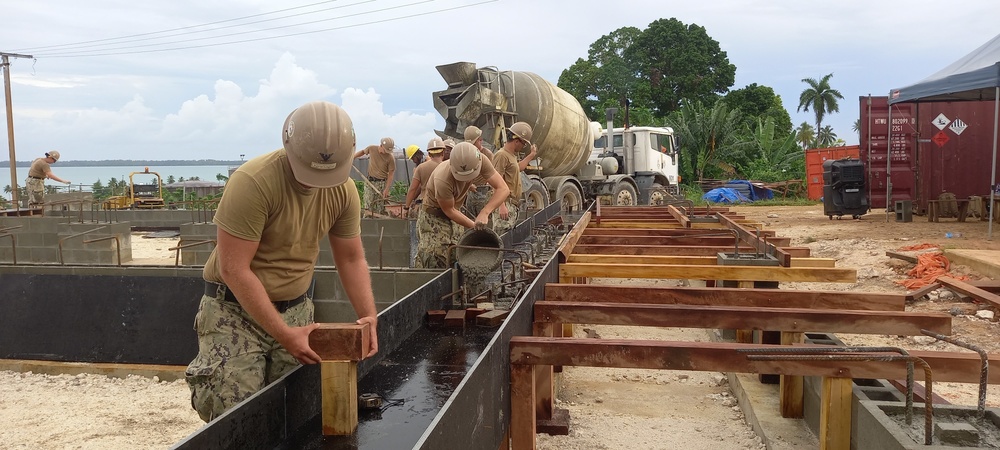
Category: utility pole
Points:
column 5, row 63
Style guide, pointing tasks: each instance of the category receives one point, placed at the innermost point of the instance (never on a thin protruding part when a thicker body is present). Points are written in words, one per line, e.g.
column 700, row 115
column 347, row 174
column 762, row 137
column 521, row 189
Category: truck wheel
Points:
column 658, row 195
column 624, row 195
column 572, row 199
column 535, row 196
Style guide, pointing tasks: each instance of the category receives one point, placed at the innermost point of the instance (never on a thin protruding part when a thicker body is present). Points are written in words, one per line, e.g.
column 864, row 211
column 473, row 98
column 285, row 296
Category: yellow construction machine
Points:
column 148, row 195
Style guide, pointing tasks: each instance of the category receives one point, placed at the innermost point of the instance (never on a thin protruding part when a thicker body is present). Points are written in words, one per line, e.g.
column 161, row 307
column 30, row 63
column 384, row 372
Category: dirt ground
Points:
column 609, row 408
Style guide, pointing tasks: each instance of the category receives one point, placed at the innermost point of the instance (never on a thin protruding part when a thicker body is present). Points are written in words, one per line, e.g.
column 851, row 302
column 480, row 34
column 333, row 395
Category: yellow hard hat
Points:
column 412, row 150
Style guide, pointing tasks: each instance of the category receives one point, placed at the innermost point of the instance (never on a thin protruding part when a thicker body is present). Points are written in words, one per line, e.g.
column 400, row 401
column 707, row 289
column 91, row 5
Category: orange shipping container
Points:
column 814, row 165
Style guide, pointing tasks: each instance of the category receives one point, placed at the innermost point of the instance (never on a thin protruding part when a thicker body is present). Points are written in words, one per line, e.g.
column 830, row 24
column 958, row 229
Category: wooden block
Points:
column 436, row 317
column 962, row 287
column 522, row 406
column 558, row 425
column 492, row 318
column 835, row 414
column 339, row 387
column 341, row 341
column 472, row 313
column 790, row 386
column 455, row 318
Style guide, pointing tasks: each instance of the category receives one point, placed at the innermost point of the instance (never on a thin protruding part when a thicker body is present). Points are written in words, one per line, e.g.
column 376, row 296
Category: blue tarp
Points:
column 725, row 195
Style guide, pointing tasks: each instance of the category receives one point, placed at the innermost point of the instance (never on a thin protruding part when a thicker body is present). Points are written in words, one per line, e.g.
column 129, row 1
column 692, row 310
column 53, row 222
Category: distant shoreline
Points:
column 132, row 163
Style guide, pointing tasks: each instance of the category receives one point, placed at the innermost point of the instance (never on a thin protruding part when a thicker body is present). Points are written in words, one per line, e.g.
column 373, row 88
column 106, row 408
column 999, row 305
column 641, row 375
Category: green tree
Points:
column 775, row 156
column 805, row 135
column 857, row 128
column 222, row 178
column 604, row 79
column 758, row 103
column 710, row 139
column 679, row 63
column 820, row 97
column 826, row 137
column 171, row 179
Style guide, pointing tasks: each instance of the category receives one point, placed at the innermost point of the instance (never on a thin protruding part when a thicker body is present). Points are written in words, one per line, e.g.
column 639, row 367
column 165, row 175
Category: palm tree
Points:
column 857, row 127
column 711, row 137
column 805, row 135
column 826, row 136
column 820, row 97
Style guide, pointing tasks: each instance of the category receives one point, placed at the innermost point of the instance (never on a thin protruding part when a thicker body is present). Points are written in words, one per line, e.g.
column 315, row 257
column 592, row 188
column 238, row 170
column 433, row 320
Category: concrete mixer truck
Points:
column 576, row 161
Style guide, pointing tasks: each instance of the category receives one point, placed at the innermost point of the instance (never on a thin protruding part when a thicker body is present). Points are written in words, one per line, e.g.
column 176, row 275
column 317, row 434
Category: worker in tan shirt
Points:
column 381, row 170
column 39, row 171
column 506, row 163
column 435, row 152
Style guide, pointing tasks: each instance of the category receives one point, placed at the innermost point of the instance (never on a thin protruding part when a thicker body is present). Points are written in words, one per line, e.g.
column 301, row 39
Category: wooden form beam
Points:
column 734, row 273
column 664, row 225
column 340, row 346
column 718, row 240
column 679, row 216
column 771, row 298
column 568, row 243
column 683, row 260
column 970, row 290
column 661, row 232
column 750, row 237
column 736, row 318
column 690, row 250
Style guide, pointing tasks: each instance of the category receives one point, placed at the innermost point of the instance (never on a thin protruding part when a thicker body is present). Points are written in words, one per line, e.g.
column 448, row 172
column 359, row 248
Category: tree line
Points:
column 674, row 74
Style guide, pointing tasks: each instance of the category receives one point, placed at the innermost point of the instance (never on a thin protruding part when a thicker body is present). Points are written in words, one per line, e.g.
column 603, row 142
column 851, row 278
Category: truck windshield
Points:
column 601, row 142
column 660, row 143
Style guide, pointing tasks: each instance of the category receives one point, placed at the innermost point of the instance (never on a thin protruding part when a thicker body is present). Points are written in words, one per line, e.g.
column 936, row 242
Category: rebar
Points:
column 984, row 374
column 818, row 351
column 61, row 261
column 928, row 377
column 118, row 245
column 181, row 244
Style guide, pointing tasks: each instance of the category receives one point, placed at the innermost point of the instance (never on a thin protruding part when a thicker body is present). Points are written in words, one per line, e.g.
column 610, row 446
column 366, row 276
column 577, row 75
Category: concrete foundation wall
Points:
column 140, row 219
column 38, row 241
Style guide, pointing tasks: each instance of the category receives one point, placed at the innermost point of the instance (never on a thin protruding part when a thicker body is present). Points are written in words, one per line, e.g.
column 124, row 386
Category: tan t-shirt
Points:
column 263, row 203
column 423, row 172
column 379, row 162
column 506, row 164
column 443, row 184
column 39, row 167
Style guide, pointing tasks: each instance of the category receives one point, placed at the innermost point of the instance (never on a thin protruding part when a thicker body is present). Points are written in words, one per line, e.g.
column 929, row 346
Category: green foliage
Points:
column 820, row 97
column 397, row 192
column 758, row 103
column 805, row 135
column 826, row 137
column 775, row 156
column 710, row 140
column 361, row 188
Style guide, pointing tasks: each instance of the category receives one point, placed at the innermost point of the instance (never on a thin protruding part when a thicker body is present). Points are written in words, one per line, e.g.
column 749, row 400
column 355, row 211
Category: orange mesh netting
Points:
column 930, row 266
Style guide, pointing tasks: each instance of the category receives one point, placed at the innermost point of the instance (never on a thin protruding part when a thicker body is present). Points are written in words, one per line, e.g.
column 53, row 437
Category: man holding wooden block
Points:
column 256, row 316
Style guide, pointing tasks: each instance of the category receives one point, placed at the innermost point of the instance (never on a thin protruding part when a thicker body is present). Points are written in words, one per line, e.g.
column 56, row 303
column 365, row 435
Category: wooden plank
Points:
column 522, row 406
column 339, row 388
column 717, row 241
column 770, row 298
column 672, row 260
column 689, row 250
column 748, row 236
column 970, row 290
column 492, row 318
column 900, row 256
column 436, row 316
column 660, row 232
column 545, row 392
column 791, row 386
column 724, row 357
column 734, row 273
column 735, row 318
column 986, row 285
column 568, row 242
column 341, row 341
column 679, row 216
column 910, row 296
column 835, row 414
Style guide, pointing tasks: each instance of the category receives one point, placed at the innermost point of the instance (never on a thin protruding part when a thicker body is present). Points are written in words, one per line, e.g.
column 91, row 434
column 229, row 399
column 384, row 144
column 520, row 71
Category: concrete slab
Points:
column 986, row 262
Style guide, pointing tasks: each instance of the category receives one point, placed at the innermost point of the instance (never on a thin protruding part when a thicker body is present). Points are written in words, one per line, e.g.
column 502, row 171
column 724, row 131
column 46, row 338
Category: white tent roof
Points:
column 973, row 77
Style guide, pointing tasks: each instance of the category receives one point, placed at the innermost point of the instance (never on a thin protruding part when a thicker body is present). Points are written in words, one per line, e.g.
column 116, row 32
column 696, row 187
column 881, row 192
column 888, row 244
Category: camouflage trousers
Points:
column 476, row 200
column 501, row 226
column 374, row 202
column 36, row 191
column 434, row 236
column 236, row 357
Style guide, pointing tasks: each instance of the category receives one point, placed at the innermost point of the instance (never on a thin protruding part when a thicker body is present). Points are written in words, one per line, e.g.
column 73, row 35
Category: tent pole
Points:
column 993, row 167
column 888, row 163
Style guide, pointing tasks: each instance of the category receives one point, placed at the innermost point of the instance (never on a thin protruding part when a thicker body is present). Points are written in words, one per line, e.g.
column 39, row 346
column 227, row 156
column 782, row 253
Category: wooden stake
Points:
column 340, row 397
column 791, row 385
column 835, row 414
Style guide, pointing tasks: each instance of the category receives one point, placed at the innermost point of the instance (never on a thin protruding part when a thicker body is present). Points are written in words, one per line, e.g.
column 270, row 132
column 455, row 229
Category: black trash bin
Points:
column 844, row 191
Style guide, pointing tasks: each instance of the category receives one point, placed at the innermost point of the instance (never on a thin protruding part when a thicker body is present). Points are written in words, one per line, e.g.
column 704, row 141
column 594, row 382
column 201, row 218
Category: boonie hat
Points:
column 388, row 144
column 472, row 133
column 319, row 141
column 435, row 145
column 466, row 161
column 53, row 154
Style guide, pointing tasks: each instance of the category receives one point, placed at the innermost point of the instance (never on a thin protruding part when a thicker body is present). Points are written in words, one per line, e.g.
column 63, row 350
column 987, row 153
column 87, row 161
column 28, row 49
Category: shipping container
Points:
column 815, row 157
column 931, row 148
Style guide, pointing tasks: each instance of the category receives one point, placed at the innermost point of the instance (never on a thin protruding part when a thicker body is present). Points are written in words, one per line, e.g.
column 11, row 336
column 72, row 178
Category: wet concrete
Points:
column 423, row 373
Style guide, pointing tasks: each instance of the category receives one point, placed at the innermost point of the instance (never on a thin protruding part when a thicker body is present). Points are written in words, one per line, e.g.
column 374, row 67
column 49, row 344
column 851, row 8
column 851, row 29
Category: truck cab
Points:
column 648, row 154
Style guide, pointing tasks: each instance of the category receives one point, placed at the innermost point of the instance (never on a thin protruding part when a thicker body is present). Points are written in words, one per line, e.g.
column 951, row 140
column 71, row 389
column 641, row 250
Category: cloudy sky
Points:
column 181, row 79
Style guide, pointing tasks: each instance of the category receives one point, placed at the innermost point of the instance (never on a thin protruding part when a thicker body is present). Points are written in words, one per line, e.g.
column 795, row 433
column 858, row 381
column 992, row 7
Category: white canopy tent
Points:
column 974, row 77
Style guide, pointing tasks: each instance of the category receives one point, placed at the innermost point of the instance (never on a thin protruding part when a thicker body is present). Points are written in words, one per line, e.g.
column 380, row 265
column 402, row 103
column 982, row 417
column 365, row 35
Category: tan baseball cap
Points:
column 472, row 133
column 53, row 154
column 387, row 144
column 319, row 140
column 466, row 161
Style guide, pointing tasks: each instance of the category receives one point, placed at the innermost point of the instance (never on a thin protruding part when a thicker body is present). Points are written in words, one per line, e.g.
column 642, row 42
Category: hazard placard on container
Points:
column 958, row 127
column 940, row 138
column 941, row 121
